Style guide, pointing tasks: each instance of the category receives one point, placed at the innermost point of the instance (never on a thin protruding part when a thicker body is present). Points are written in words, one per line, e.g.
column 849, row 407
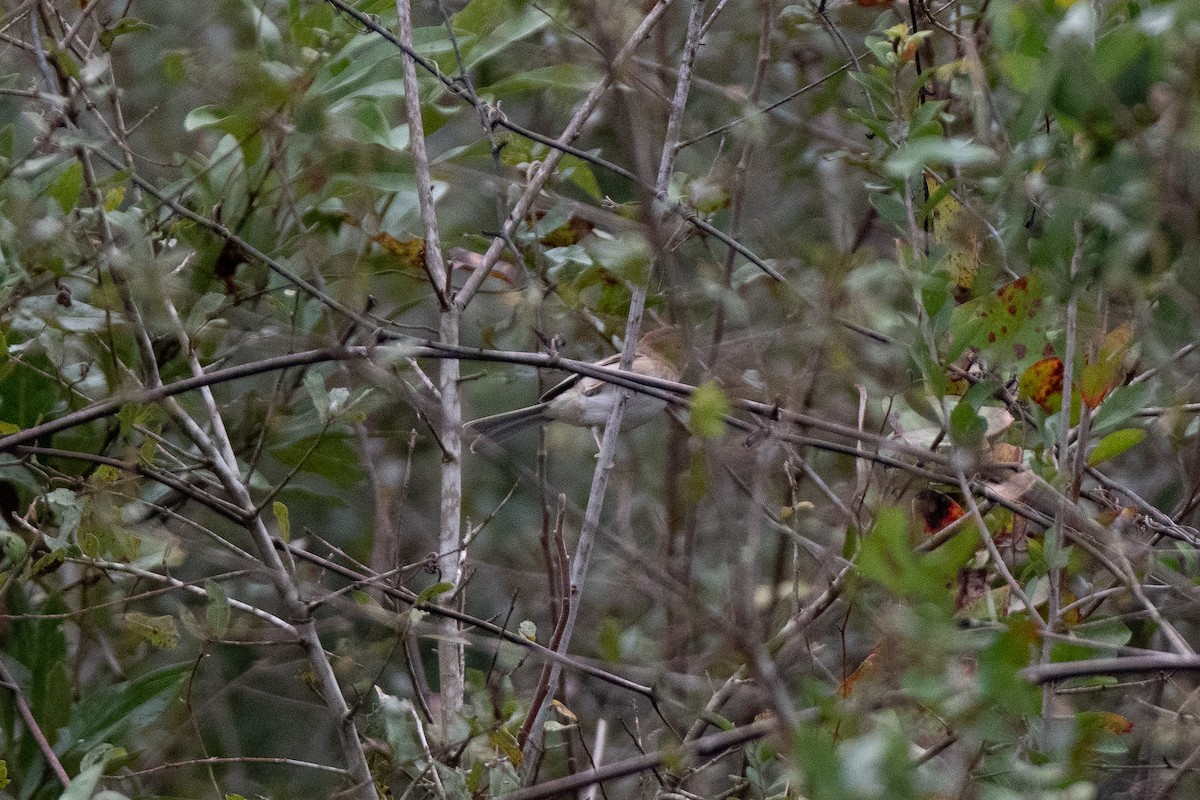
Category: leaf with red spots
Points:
column 1042, row 383
column 1008, row 326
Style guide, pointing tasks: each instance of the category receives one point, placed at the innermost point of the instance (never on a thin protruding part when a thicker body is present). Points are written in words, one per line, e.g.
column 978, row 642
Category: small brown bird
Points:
column 588, row 402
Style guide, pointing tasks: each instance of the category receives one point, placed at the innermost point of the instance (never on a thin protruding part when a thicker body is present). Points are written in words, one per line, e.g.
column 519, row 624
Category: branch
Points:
column 703, row 747
column 31, row 725
column 1060, row 671
column 450, row 542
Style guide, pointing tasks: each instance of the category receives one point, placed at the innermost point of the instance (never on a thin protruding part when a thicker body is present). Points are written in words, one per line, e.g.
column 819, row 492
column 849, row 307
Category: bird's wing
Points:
column 589, row 386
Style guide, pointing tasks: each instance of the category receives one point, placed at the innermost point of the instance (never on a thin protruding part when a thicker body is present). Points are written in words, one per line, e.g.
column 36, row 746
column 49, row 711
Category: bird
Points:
column 587, row 402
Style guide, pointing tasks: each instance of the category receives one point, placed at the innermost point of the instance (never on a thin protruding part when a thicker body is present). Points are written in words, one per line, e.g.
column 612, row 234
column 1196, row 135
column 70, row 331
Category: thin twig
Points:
column 31, row 725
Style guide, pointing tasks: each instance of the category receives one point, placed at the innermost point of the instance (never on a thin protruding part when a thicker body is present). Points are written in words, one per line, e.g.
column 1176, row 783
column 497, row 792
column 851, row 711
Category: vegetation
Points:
column 919, row 521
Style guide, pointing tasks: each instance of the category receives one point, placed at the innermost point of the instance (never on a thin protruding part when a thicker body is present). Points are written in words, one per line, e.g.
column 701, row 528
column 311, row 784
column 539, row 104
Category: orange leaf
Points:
column 936, row 510
column 1042, row 383
column 1115, row 723
column 867, row 668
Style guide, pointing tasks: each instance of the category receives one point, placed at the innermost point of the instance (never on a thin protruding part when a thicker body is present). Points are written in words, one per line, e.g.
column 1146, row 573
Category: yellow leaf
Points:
column 158, row 631
column 114, row 198
column 709, row 406
column 283, row 518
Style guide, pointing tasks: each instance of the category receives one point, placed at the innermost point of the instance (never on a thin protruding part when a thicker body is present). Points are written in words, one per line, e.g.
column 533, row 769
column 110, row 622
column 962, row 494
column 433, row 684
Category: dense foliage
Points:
column 919, row 522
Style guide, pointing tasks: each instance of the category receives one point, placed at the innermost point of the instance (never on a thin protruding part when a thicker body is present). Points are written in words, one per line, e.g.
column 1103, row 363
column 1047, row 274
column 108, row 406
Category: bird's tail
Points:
column 501, row 426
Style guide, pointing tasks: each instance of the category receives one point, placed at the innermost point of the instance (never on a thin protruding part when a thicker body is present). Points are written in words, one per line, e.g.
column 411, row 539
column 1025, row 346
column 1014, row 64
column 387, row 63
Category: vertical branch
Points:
column 738, row 200
column 608, row 445
column 450, row 560
column 1054, row 536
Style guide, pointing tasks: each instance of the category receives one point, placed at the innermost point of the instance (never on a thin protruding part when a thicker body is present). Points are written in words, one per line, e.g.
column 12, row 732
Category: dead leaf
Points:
column 1004, row 453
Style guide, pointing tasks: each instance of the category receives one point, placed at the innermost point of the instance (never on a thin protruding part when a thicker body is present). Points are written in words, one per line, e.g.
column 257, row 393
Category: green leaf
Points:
column 569, row 76
column 239, row 126
column 68, row 510
column 315, row 385
column 1009, row 324
column 577, row 171
column 174, row 66
column 816, row 751
column 329, row 456
column 202, row 312
column 967, row 427
column 269, row 38
column 217, row 611
column 496, row 24
column 709, row 406
column 1121, row 404
column 122, row 26
column 430, row 592
column 1114, row 444
column 7, row 134
column 13, row 548
column 114, row 198
column 1109, row 630
column 83, row 785
column 953, row 152
column 283, row 519
column 999, row 667
column 628, row 256
column 891, row 209
column 608, row 640
column 365, row 122
column 887, row 557
column 106, row 714
column 68, row 186
column 204, row 117
column 28, row 391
